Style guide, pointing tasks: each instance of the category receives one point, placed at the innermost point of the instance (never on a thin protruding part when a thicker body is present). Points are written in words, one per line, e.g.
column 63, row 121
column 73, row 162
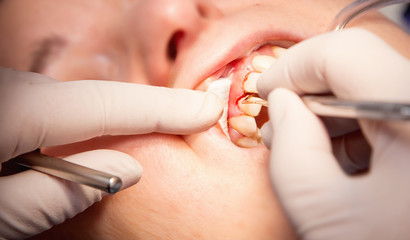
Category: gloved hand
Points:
column 37, row 111
column 322, row 201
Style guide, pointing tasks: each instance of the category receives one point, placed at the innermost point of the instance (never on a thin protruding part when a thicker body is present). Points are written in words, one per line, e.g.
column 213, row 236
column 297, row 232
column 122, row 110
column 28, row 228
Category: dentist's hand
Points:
column 37, row 111
column 321, row 200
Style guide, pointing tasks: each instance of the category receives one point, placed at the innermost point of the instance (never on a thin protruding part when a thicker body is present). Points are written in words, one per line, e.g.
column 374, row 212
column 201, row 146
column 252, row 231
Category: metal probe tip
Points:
column 69, row 171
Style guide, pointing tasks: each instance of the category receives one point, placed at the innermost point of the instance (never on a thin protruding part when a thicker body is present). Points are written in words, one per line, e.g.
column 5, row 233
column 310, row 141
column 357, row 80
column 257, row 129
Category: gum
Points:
column 238, row 70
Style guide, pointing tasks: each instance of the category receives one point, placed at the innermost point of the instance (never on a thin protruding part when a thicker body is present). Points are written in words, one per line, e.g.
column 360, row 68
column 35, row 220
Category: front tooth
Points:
column 262, row 62
column 252, row 109
column 245, row 125
column 250, row 83
column 278, row 51
column 247, row 142
column 258, row 135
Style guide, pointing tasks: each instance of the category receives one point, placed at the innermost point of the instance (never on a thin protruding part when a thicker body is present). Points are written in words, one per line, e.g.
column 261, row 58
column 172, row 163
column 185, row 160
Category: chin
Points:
column 187, row 192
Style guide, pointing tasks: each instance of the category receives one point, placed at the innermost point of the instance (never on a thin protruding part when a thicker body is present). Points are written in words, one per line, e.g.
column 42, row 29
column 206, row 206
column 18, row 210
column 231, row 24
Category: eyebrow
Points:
column 44, row 50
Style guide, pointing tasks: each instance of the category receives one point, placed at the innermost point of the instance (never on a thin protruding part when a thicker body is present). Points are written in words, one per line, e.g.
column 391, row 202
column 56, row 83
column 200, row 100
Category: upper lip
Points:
column 243, row 47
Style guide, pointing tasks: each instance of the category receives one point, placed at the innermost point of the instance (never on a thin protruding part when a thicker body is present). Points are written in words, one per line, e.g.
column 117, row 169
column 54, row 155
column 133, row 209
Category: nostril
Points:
column 175, row 40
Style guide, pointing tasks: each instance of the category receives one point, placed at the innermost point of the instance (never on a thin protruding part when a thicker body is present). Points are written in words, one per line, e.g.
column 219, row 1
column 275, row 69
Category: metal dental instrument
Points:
column 357, row 8
column 359, row 109
column 333, row 107
column 69, row 171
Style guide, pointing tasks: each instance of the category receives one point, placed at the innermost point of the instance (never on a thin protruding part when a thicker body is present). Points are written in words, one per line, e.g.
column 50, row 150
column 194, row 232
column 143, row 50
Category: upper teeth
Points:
column 262, row 62
column 250, row 104
column 277, row 51
column 250, row 82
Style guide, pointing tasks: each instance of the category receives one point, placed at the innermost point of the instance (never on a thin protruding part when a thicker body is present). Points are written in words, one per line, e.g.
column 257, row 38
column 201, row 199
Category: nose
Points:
column 164, row 29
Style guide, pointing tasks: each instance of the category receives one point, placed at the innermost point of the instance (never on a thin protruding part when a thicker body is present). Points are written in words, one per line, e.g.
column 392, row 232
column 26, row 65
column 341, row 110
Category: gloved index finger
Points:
column 298, row 69
column 353, row 64
column 50, row 113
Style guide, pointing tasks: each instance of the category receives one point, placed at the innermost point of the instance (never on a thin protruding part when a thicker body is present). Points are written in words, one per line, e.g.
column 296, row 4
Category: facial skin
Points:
column 193, row 187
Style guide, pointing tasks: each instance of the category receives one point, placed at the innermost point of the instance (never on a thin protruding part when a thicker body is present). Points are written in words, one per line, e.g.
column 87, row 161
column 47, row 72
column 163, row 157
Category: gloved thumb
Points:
column 35, row 201
column 302, row 165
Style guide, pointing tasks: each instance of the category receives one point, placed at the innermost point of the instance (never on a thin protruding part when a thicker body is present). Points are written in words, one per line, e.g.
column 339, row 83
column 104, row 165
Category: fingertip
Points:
column 214, row 105
column 301, row 150
column 283, row 104
column 267, row 133
column 352, row 152
column 294, row 126
column 53, row 200
column 116, row 163
column 183, row 111
column 129, row 169
column 266, row 82
column 205, row 113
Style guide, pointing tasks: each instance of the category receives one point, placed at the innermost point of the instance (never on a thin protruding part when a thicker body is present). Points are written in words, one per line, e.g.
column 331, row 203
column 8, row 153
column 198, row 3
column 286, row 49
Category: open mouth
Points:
column 244, row 115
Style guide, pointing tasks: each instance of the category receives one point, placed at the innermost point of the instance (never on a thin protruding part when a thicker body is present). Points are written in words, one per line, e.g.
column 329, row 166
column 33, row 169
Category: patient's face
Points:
column 194, row 187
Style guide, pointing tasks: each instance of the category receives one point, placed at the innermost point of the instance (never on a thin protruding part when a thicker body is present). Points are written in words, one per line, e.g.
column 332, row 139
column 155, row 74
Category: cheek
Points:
column 210, row 199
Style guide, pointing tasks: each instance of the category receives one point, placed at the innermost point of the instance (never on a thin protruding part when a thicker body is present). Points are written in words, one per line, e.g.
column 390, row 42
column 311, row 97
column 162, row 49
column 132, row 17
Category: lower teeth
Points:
column 246, row 106
column 244, row 124
column 247, row 142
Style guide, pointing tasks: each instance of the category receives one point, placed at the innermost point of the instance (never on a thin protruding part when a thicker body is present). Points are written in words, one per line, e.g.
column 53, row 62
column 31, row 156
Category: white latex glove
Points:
column 37, row 111
column 320, row 199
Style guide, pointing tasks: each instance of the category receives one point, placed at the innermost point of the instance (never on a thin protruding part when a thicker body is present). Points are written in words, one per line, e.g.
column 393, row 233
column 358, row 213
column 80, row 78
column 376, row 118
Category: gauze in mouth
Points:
column 221, row 88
